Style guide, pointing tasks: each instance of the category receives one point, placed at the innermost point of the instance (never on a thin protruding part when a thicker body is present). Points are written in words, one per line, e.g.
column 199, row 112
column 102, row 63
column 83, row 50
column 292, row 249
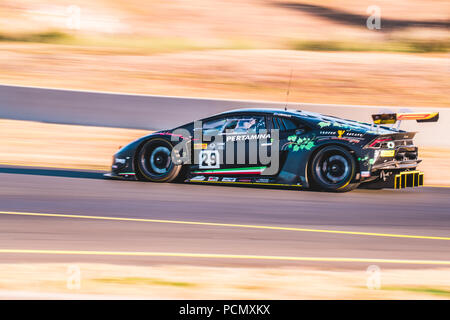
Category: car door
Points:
column 243, row 136
column 229, row 145
column 208, row 150
column 286, row 127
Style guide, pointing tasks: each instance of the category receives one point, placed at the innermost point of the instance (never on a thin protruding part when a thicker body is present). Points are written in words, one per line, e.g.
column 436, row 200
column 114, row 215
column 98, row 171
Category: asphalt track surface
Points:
column 121, row 222
column 118, row 217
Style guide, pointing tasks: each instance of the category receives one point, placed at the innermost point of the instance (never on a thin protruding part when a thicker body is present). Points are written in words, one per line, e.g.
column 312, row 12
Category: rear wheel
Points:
column 333, row 168
column 154, row 161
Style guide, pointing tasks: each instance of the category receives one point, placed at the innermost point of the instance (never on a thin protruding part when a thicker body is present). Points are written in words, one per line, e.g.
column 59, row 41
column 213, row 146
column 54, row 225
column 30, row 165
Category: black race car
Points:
column 278, row 147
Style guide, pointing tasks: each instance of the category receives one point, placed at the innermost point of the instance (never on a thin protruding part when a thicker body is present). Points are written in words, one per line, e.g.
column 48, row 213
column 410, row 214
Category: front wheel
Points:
column 333, row 168
column 154, row 161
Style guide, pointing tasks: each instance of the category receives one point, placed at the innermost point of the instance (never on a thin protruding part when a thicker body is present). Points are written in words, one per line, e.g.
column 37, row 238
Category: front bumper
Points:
column 122, row 168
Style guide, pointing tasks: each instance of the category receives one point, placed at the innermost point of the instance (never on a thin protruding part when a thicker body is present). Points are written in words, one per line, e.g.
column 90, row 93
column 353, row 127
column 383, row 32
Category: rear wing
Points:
column 392, row 118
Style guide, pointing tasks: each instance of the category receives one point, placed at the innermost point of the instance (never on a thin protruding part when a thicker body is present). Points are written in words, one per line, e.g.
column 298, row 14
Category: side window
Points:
column 257, row 124
column 245, row 124
column 289, row 124
column 275, row 123
column 284, row 124
column 231, row 125
column 280, row 124
column 214, row 127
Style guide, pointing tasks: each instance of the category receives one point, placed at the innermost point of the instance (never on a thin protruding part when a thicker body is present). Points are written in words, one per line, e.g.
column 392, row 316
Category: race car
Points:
column 278, row 147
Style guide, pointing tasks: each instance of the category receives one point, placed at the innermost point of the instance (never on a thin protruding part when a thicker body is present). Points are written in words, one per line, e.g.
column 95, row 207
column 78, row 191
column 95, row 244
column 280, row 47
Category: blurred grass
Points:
column 55, row 37
column 144, row 281
column 167, row 44
column 133, row 44
column 434, row 291
column 404, row 46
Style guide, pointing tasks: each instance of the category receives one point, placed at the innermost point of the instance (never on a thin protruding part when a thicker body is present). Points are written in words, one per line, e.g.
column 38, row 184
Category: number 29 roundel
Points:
column 209, row 159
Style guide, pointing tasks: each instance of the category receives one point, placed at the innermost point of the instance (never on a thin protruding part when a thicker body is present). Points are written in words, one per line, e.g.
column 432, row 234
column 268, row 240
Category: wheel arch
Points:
column 141, row 144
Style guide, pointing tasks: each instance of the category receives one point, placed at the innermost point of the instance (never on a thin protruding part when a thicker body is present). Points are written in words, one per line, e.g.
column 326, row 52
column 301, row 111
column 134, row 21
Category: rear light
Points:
column 378, row 143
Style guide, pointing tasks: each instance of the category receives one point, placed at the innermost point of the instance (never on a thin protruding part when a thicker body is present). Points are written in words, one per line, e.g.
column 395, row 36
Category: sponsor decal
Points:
column 354, row 134
column 352, row 137
column 365, row 174
column 120, row 160
column 198, row 146
column 245, row 180
column 351, row 140
column 227, row 179
column 387, row 153
column 198, row 178
column 169, row 134
column 213, row 178
column 376, row 154
column 215, row 146
column 262, row 180
column 282, row 114
column 248, row 137
column 328, row 132
column 251, row 170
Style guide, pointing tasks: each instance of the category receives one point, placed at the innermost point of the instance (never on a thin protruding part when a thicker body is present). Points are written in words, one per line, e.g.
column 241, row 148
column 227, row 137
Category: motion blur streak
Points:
column 42, row 166
column 223, row 225
column 224, row 256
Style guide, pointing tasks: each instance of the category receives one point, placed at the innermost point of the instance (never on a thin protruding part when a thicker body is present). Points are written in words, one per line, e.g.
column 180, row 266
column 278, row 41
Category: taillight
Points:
column 378, row 143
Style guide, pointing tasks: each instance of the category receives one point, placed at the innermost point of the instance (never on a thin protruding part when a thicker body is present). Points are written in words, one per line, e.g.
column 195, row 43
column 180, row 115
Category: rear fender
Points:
column 297, row 162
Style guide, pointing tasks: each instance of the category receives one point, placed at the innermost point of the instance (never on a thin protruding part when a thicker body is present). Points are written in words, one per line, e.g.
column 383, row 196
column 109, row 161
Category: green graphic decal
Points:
column 299, row 143
column 323, row 124
column 366, row 160
column 335, row 124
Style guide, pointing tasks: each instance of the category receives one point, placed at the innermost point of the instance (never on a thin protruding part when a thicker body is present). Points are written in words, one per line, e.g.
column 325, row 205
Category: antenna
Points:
column 289, row 89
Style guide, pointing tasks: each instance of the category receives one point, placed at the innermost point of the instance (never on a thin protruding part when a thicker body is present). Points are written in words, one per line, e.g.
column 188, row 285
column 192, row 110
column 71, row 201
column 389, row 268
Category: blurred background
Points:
column 233, row 49
column 392, row 55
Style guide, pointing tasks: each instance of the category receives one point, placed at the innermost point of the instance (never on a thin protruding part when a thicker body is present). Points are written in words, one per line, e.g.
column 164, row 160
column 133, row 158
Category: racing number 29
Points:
column 209, row 159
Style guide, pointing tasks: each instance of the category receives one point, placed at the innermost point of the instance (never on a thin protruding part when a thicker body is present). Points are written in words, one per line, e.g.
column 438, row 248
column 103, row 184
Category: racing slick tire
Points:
column 333, row 168
column 154, row 162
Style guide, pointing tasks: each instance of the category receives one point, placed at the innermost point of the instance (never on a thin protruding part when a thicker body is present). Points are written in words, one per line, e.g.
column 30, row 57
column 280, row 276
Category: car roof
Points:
column 306, row 115
column 289, row 112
